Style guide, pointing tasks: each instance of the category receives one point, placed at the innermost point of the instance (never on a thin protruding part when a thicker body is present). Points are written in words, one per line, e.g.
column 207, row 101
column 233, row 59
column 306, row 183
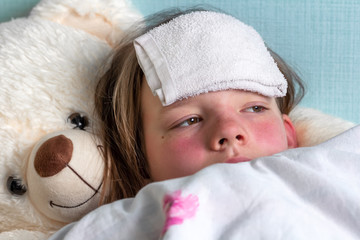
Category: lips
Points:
column 237, row 160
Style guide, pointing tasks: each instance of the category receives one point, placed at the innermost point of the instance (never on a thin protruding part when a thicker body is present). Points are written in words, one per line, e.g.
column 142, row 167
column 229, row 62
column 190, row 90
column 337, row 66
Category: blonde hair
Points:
column 118, row 103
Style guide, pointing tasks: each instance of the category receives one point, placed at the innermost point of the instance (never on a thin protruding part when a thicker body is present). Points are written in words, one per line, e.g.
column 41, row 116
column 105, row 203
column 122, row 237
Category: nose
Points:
column 53, row 156
column 227, row 132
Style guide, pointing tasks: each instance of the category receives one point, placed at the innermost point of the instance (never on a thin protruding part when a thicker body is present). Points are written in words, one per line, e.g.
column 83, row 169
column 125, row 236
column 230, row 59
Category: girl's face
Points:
column 217, row 127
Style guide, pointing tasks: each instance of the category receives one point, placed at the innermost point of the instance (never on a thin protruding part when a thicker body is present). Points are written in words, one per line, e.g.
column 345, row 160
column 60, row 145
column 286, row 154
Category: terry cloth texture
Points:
column 206, row 51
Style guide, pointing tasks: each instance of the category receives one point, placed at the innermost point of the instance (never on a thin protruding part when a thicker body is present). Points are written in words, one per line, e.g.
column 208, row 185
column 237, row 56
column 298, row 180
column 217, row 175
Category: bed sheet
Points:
column 304, row 193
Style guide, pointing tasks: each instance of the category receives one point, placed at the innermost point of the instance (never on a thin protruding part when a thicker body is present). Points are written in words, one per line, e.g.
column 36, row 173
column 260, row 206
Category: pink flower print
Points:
column 178, row 208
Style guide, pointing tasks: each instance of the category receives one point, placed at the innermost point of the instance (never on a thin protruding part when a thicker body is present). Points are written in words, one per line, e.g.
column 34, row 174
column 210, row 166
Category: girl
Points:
column 190, row 89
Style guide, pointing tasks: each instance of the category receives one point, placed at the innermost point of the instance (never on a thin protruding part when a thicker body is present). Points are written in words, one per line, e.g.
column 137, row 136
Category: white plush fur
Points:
column 120, row 14
column 314, row 127
column 49, row 64
column 107, row 18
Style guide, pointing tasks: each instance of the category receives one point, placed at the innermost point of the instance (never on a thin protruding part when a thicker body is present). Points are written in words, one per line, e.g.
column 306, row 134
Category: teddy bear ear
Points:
column 105, row 19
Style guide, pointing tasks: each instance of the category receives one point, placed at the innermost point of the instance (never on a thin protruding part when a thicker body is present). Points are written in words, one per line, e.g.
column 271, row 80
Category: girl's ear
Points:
column 290, row 132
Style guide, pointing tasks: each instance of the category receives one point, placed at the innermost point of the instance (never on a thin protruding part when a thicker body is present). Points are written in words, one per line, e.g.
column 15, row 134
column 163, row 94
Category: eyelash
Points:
column 195, row 120
column 255, row 109
column 189, row 121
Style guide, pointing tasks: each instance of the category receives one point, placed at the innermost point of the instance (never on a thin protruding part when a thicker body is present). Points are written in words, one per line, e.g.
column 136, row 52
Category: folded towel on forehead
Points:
column 206, row 51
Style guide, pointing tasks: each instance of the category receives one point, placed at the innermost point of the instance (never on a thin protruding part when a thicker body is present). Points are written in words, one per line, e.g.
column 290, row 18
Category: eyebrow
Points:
column 174, row 105
column 184, row 101
column 167, row 113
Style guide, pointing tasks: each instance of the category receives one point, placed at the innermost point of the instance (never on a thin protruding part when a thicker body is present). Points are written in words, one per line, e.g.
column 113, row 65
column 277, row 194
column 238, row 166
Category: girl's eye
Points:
column 190, row 121
column 255, row 109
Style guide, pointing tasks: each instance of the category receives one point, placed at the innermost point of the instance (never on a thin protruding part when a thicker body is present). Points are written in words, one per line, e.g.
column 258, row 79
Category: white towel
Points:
column 206, row 51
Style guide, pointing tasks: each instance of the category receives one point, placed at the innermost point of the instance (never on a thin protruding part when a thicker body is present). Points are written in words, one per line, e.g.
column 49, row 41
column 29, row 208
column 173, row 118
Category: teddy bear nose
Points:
column 53, row 156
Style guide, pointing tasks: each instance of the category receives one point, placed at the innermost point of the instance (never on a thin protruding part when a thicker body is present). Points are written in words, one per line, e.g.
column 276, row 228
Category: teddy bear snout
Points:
column 53, row 156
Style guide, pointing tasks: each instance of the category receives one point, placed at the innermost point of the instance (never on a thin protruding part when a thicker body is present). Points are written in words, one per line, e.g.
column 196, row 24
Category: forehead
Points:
column 151, row 102
column 214, row 96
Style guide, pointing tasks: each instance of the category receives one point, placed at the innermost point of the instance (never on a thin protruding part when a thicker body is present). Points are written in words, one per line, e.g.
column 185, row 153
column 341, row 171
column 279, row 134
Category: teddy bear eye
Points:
column 79, row 121
column 15, row 186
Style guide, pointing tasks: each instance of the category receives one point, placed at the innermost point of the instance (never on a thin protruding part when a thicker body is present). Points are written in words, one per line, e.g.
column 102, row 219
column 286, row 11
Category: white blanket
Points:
column 304, row 193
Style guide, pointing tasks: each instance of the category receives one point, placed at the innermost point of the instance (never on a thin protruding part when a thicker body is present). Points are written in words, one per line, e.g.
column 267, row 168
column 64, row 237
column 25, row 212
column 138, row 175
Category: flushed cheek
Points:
column 187, row 155
column 270, row 136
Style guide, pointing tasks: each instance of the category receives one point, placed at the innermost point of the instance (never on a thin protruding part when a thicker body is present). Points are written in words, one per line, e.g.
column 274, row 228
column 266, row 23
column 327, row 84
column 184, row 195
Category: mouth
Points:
column 52, row 204
column 237, row 160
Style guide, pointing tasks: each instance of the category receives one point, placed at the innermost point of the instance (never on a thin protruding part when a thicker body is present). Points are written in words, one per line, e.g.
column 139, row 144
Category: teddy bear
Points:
column 51, row 166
